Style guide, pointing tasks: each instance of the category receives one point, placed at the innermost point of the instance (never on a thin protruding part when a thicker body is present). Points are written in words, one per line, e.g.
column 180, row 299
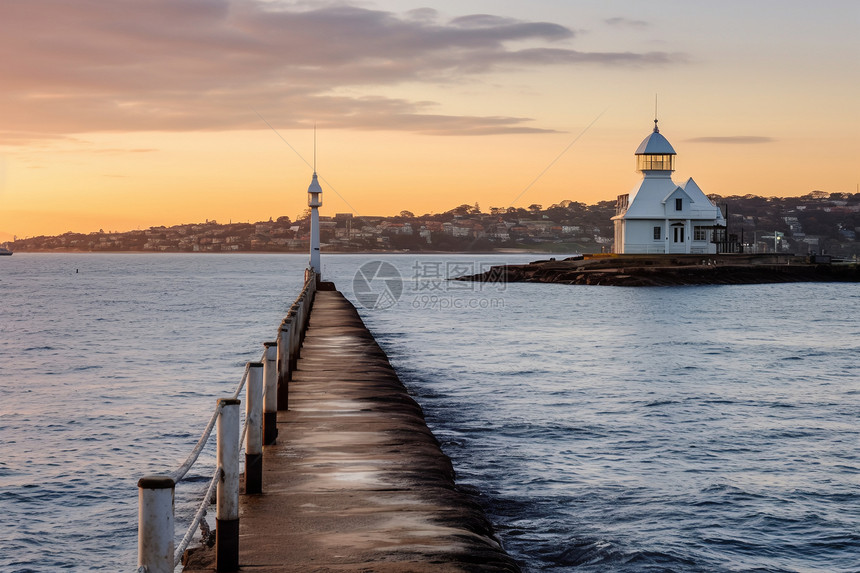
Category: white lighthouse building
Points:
column 315, row 202
column 660, row 216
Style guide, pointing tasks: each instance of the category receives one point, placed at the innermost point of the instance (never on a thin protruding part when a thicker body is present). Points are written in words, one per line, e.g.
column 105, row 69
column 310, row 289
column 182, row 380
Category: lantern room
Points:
column 655, row 153
column 314, row 192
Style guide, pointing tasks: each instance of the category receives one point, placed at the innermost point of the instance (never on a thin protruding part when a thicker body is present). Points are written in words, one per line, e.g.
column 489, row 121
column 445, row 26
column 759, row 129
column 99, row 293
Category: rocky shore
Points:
column 673, row 270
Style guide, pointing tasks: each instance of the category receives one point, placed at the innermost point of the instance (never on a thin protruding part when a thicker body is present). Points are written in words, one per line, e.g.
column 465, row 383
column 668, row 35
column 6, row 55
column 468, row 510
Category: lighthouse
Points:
column 315, row 202
column 661, row 216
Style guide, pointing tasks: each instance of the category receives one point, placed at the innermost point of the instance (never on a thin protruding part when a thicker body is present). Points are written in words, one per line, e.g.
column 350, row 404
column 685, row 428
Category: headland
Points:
column 674, row 270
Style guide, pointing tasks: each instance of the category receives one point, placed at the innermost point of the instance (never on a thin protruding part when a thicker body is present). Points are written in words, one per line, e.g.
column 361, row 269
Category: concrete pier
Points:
column 356, row 481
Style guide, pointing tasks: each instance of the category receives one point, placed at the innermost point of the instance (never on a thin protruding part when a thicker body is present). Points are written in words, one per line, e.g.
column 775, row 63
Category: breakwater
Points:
column 355, row 480
column 672, row 270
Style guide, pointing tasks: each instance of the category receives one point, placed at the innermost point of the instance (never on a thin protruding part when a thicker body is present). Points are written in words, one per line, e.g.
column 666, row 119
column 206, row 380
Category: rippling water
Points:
column 661, row 429
column 109, row 369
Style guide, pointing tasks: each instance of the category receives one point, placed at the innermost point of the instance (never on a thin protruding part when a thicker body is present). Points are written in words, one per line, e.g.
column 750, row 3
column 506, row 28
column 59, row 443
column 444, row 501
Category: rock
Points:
column 673, row 270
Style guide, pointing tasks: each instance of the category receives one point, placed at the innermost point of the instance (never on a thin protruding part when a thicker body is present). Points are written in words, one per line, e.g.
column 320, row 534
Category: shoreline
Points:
column 379, row 252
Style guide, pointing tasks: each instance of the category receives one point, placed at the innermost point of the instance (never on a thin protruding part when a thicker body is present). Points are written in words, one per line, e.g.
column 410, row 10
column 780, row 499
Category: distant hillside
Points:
column 817, row 222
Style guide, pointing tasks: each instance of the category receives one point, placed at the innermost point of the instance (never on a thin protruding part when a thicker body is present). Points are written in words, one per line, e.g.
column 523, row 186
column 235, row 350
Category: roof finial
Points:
column 656, row 129
column 315, row 148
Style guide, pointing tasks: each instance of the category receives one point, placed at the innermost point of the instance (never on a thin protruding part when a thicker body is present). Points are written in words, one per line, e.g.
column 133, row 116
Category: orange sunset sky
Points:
column 124, row 114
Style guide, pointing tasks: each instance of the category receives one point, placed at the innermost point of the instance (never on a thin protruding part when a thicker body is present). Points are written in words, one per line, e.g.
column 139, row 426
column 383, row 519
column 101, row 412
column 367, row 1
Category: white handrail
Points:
column 305, row 296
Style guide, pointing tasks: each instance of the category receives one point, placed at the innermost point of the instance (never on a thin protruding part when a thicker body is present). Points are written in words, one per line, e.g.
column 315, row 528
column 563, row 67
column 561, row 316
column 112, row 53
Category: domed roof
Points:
column 655, row 144
column 314, row 187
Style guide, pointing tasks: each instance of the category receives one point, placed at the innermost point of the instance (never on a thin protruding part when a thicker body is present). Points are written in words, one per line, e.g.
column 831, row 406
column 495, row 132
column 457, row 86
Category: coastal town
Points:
column 818, row 222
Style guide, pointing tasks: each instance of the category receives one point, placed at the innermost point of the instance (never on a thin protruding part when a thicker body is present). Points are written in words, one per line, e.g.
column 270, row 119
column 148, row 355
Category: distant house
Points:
column 537, row 226
column 660, row 216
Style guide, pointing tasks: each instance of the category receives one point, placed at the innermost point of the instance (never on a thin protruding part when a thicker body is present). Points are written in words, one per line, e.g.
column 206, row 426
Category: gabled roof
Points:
column 675, row 192
column 698, row 197
column 691, row 186
column 653, row 196
column 695, row 192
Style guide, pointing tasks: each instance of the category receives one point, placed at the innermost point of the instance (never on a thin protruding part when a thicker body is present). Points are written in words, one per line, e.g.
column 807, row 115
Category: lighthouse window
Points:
column 655, row 162
column 700, row 234
column 658, row 232
column 679, row 204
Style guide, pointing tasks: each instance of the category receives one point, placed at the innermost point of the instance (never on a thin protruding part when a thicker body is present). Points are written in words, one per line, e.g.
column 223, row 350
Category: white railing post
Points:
column 302, row 312
column 295, row 327
column 297, row 331
column 284, row 363
column 306, row 314
column 155, row 524
column 254, row 429
column 270, row 393
column 227, row 512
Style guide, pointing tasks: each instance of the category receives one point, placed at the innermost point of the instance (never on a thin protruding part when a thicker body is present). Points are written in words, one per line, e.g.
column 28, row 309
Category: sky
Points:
column 126, row 114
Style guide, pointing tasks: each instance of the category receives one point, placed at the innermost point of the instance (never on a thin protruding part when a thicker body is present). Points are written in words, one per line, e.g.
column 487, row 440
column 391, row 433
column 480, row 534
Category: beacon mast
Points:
column 315, row 202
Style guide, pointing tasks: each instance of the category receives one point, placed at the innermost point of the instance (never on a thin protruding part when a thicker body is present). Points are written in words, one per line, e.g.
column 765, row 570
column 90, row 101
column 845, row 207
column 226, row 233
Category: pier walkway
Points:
column 356, row 481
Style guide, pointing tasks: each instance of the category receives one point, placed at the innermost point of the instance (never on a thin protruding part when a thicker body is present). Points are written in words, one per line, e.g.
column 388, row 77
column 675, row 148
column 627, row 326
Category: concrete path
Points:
column 356, row 481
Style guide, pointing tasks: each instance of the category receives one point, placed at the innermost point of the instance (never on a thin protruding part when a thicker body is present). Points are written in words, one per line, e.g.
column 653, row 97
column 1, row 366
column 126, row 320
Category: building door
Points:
column 678, row 244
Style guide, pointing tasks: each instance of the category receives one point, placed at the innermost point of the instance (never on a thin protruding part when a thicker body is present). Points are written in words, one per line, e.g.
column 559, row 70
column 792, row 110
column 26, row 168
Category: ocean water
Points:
column 110, row 366
column 603, row 429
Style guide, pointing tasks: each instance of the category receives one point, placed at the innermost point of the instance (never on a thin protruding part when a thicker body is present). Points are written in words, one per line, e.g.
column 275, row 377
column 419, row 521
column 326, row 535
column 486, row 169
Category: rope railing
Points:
column 182, row 470
column 241, row 383
column 267, row 388
column 198, row 517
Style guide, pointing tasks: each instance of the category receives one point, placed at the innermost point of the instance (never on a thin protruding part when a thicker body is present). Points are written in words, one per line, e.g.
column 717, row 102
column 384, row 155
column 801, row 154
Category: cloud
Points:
column 733, row 139
column 130, row 65
column 627, row 23
column 122, row 151
column 423, row 14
